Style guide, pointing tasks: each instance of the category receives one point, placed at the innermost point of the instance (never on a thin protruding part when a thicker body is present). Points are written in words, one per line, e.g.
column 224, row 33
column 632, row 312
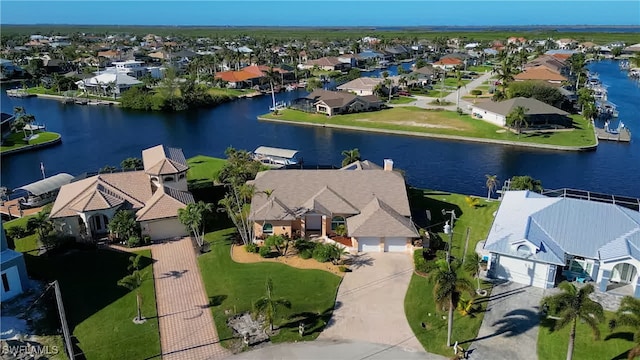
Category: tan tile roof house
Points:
column 541, row 73
column 340, row 102
column 537, row 112
column 361, row 86
column 371, row 202
column 83, row 208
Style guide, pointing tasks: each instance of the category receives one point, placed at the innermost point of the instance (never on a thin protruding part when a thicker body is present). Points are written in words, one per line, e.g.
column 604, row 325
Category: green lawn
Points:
column 228, row 92
column 419, row 301
column 480, row 68
column 612, row 344
column 99, row 312
column 234, row 287
column 414, row 119
column 27, row 244
column 420, row 307
column 453, row 82
column 73, row 93
column 402, row 100
column 16, row 140
column 203, row 169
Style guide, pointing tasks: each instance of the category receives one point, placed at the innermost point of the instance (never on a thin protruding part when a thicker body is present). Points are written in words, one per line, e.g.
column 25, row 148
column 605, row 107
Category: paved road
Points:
column 510, row 326
column 187, row 330
column 334, row 350
column 370, row 302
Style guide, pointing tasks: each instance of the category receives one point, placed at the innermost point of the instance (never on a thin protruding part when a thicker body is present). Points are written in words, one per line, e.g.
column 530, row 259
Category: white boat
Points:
column 276, row 157
column 281, row 105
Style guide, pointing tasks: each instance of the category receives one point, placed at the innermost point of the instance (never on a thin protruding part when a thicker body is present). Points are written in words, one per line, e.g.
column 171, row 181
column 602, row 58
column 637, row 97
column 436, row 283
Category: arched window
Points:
column 168, row 178
column 337, row 221
column 267, row 229
column 153, row 178
column 523, row 250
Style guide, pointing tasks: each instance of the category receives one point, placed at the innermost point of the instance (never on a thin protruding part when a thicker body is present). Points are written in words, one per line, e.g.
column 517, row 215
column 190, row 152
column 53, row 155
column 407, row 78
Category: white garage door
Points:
column 395, row 244
column 166, row 229
column 522, row 271
column 369, row 244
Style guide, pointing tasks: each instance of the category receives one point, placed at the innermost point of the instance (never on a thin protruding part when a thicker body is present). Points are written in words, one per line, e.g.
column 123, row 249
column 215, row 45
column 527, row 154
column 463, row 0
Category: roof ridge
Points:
column 73, row 199
column 149, row 204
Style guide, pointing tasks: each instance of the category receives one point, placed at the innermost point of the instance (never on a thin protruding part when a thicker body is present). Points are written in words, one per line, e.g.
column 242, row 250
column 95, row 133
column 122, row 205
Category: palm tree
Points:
column 133, row 282
column 41, row 223
column 449, row 284
column 193, row 218
column 573, row 304
column 517, row 118
column 350, row 156
column 505, row 73
column 273, row 78
column 492, row 182
column 629, row 315
column 459, row 84
column 267, row 305
column 472, row 265
column 123, row 224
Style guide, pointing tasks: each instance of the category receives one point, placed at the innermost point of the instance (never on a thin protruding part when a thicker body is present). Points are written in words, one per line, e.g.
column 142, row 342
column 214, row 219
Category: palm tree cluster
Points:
column 350, row 156
column 194, row 218
column 517, row 119
column 22, row 120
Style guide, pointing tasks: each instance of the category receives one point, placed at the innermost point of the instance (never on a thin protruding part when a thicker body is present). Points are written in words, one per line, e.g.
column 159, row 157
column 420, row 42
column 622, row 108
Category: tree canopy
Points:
column 525, row 183
column 537, row 90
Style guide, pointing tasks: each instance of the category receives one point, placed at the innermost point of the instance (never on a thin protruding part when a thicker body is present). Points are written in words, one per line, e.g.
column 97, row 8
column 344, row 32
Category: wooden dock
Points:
column 623, row 136
column 11, row 209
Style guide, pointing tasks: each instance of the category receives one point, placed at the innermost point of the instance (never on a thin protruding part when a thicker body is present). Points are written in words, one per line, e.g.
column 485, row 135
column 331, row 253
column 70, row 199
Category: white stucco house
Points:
column 84, row 208
column 540, row 241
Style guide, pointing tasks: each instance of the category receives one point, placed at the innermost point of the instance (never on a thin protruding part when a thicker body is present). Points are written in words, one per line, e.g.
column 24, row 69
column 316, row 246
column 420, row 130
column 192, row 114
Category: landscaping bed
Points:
column 239, row 254
column 233, row 288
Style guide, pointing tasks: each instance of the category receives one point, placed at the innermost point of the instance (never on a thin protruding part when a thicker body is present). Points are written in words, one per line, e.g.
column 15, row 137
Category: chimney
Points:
column 388, row 165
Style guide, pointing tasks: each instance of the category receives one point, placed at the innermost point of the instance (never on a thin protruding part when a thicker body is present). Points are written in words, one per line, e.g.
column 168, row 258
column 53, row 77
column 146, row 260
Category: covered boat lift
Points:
column 276, row 157
column 43, row 191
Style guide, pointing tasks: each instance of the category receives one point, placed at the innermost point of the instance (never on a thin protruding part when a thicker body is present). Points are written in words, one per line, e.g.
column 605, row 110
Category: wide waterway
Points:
column 96, row 136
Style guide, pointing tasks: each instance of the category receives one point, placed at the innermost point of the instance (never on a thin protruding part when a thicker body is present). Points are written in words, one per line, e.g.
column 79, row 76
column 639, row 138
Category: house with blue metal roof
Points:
column 540, row 241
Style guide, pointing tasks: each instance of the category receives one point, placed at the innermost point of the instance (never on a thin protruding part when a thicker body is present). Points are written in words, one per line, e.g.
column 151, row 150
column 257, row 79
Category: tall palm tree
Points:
column 193, row 218
column 133, row 282
column 268, row 306
column 350, row 156
column 273, row 78
column 573, row 304
column 629, row 315
column 492, row 182
column 459, row 84
column 505, row 73
column 449, row 284
column 472, row 265
column 517, row 119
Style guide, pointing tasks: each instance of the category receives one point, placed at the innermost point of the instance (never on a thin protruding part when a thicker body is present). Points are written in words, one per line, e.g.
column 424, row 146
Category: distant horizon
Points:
column 312, row 13
column 533, row 26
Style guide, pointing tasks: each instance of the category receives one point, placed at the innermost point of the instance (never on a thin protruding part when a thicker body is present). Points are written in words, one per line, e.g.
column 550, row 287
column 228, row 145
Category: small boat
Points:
column 280, row 105
column 81, row 101
column 276, row 157
column 290, row 87
column 19, row 93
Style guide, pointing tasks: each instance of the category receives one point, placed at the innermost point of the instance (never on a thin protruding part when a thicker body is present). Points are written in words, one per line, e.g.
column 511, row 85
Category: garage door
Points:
column 369, row 244
column 522, row 271
column 395, row 244
column 166, row 229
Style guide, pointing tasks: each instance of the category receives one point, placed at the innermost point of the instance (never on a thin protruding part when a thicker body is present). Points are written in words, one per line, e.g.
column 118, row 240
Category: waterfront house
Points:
column 538, row 114
column 370, row 202
column 361, row 86
column 540, row 241
column 107, row 84
column 84, row 208
column 549, row 61
column 337, row 102
column 250, row 76
column 327, row 63
column 449, row 63
column 13, row 270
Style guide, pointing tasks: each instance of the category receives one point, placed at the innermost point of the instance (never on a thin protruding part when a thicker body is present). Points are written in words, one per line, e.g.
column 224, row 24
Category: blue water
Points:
column 97, row 136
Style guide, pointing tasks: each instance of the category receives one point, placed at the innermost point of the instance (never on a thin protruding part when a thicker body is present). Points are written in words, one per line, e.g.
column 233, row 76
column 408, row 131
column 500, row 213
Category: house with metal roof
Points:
column 84, row 208
column 369, row 201
column 536, row 111
column 540, row 241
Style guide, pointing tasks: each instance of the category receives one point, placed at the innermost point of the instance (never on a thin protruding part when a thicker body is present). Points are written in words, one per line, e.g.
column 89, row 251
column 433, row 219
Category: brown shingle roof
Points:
column 161, row 160
column 363, row 83
column 324, row 61
column 540, row 73
column 533, row 106
column 379, row 219
column 164, row 203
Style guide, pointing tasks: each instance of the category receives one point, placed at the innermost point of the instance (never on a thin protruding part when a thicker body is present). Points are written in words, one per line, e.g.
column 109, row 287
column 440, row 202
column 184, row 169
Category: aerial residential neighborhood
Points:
column 189, row 186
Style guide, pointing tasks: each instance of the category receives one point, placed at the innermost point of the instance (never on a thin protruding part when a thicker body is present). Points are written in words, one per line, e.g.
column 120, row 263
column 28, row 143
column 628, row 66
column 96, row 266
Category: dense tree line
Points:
column 190, row 96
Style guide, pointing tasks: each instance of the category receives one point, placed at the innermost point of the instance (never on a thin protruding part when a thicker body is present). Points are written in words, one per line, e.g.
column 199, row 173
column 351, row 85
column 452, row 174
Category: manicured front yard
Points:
column 414, row 119
column 612, row 344
column 480, row 68
column 419, row 304
column 203, row 169
column 402, row 100
column 233, row 287
column 99, row 312
column 16, row 140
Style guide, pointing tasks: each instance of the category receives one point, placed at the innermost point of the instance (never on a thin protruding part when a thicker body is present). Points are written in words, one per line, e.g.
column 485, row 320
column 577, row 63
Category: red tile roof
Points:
column 448, row 61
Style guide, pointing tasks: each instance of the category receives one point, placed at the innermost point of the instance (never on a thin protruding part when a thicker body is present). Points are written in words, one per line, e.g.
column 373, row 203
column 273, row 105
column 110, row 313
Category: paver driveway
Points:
column 370, row 302
column 187, row 330
column 510, row 326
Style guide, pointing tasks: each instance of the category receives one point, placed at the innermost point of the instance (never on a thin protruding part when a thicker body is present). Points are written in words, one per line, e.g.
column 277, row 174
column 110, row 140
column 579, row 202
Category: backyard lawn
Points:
column 16, row 140
column 480, row 68
column 99, row 312
column 27, row 244
column 612, row 344
column 417, row 120
column 203, row 169
column 228, row 92
column 233, row 287
column 419, row 303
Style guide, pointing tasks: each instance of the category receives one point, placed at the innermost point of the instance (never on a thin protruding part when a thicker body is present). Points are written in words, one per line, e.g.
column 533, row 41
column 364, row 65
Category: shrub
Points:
column 341, row 230
column 264, row 251
column 134, row 241
column 303, row 244
column 322, row 253
column 421, row 264
column 251, row 248
column 306, row 254
column 343, row 268
column 476, row 92
column 17, row 232
column 146, row 239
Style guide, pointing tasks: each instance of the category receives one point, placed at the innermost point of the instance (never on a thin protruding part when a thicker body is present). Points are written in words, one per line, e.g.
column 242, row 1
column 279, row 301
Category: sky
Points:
column 322, row 13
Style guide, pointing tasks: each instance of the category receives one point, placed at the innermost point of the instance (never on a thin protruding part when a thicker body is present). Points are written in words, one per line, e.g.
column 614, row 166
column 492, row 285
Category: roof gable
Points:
column 161, row 160
column 379, row 219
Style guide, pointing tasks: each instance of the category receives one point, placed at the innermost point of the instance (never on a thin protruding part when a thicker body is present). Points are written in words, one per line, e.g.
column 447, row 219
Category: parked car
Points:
column 404, row 93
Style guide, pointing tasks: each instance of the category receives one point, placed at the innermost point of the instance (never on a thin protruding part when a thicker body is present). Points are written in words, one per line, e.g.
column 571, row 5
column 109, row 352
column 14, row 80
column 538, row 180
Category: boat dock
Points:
column 623, row 136
column 19, row 93
column 13, row 210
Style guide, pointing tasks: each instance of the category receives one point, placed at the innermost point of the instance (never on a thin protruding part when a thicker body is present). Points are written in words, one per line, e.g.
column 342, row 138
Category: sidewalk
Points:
column 187, row 330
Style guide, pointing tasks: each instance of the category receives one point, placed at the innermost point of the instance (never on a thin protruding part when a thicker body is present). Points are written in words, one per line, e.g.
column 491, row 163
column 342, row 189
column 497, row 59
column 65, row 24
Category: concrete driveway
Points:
column 510, row 326
column 370, row 302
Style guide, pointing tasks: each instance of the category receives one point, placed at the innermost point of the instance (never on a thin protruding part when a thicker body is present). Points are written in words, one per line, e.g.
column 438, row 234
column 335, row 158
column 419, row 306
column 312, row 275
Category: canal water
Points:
column 96, row 136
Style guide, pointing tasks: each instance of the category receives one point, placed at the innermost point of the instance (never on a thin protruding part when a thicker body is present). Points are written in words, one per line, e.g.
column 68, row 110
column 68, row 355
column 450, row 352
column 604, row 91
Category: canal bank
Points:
column 438, row 136
column 95, row 136
column 56, row 140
